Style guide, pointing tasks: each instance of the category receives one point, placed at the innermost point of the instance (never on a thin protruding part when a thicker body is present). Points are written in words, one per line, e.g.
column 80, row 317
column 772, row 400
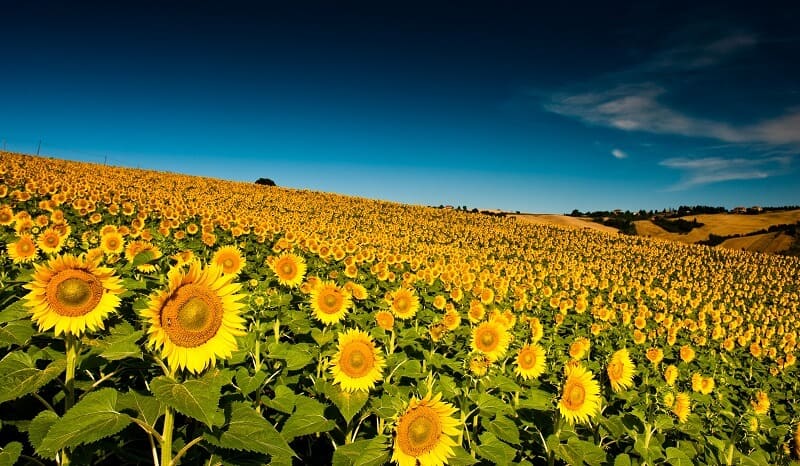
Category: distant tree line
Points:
column 265, row 182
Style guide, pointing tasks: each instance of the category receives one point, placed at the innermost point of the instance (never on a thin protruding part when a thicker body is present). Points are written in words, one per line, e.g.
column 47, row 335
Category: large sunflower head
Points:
column 50, row 241
column 404, row 303
column 620, row 370
column 22, row 250
column 71, row 294
column 424, row 432
column 112, row 242
column 290, row 269
column 682, row 407
column 358, row 364
column 329, row 303
column 530, row 361
column 229, row 259
column 580, row 398
column 194, row 321
column 491, row 339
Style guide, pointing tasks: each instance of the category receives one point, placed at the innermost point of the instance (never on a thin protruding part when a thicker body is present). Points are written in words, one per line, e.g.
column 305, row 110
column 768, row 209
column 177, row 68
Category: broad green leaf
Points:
column 461, row 457
column 143, row 258
column 247, row 383
column 297, row 356
column 322, row 338
column 121, row 343
column 494, row 450
column 504, row 428
column 590, row 453
column 503, row 383
column 196, row 398
column 622, row 460
column 677, row 457
column 16, row 311
column 248, row 430
column 131, row 284
column 490, row 405
column 147, row 407
column 10, row 454
column 372, row 452
column 16, row 333
column 94, row 417
column 308, row 418
column 19, row 375
column 446, row 385
column 533, row 398
column 39, row 426
column 283, row 400
column 349, row 403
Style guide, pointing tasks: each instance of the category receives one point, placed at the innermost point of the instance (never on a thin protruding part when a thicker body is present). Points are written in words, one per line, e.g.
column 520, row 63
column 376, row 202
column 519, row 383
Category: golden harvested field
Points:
column 767, row 242
column 564, row 220
column 158, row 318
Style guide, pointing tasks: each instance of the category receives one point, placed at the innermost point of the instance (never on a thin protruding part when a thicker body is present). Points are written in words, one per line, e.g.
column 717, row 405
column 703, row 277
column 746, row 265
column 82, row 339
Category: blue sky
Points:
column 488, row 104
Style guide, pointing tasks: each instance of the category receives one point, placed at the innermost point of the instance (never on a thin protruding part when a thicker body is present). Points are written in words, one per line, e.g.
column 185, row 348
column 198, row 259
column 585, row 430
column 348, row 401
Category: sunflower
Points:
column 655, row 355
column 358, row 364
column 112, row 242
column 580, row 399
column 670, row 375
column 50, row 242
column 329, row 303
column 404, row 303
column 290, row 269
column 385, row 320
column 530, row 361
column 761, row 403
column 682, row 407
column 195, row 320
column 537, row 329
column 424, row 432
column 579, row 348
column 620, row 370
column 479, row 365
column 491, row 339
column 135, row 248
column 230, row 259
column 451, row 319
column 687, row 353
column 72, row 294
column 23, row 250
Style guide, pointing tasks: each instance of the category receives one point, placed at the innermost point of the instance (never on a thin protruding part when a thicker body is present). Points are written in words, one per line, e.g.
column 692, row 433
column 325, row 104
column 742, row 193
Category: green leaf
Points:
column 17, row 333
column 490, row 405
column 247, row 383
column 677, row 457
column 91, row 419
column 590, row 453
column 322, row 338
column 622, row 460
column 297, row 355
column 283, row 400
column 19, row 375
column 147, row 407
column 10, row 453
column 143, row 258
column 308, row 418
column 349, row 403
column 503, row 383
column 39, row 426
column 495, row 450
column 16, row 311
column 536, row 399
column 372, row 452
column 121, row 343
column 505, row 429
column 196, row 398
column 461, row 457
column 248, row 430
column 131, row 284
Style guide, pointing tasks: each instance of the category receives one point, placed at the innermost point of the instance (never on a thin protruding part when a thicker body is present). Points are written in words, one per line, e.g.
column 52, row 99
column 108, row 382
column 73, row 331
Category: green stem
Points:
column 72, row 348
column 166, row 437
column 277, row 329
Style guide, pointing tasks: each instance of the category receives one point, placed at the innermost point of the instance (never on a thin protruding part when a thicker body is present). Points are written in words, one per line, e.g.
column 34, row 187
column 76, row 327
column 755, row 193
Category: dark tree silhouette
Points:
column 265, row 182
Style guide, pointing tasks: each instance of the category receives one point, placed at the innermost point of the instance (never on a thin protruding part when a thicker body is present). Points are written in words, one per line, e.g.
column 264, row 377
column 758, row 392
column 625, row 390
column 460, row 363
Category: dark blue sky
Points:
column 492, row 105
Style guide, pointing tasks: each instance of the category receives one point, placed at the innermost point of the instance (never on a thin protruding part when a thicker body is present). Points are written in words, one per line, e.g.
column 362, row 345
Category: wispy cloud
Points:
column 617, row 153
column 692, row 56
column 717, row 169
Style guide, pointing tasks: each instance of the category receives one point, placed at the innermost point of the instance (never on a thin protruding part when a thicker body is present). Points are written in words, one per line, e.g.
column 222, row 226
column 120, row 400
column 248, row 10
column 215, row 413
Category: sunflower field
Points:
column 157, row 318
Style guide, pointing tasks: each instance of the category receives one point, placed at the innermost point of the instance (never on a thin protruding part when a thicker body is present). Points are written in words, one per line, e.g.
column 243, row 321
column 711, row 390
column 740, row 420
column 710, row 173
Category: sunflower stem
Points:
column 277, row 329
column 72, row 349
column 166, row 437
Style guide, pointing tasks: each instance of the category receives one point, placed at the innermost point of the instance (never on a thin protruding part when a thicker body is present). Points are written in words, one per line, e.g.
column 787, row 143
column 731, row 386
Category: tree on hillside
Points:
column 265, row 182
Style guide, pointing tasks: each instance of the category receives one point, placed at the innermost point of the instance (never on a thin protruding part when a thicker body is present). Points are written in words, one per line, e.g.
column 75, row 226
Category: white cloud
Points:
column 717, row 169
column 619, row 154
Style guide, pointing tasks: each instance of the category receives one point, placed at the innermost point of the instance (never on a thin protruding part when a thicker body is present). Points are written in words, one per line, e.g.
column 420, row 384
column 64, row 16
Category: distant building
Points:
column 756, row 208
column 739, row 210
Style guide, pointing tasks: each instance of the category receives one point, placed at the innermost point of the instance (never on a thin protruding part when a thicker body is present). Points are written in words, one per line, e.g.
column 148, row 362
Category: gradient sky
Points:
column 486, row 104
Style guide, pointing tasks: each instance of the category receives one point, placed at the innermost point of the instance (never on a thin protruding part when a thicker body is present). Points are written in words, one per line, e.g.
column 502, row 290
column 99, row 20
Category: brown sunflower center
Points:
column 192, row 315
column 51, row 240
column 228, row 263
column 574, row 396
column 527, row 359
column 419, row 431
column 615, row 370
column 487, row 340
column 357, row 359
column 401, row 304
column 287, row 269
column 73, row 293
column 330, row 301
